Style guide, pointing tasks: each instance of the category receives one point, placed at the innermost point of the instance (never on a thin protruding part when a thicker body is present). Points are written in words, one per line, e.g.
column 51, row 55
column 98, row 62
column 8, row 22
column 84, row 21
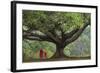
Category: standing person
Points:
column 41, row 54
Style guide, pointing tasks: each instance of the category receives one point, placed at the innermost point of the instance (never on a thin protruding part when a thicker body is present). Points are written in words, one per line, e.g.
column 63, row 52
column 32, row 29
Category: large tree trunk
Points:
column 59, row 52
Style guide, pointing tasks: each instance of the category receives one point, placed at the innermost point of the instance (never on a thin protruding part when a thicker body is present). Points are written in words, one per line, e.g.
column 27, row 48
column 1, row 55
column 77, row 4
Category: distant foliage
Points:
column 80, row 47
column 32, row 48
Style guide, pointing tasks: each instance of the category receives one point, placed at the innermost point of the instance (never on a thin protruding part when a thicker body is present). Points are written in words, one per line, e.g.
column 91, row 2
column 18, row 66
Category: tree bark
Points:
column 59, row 52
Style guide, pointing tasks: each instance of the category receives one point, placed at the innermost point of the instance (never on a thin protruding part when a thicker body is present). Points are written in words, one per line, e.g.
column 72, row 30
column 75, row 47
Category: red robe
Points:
column 41, row 54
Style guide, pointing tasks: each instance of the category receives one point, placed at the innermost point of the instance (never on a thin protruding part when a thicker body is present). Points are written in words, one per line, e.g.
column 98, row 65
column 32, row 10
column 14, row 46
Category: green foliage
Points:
column 31, row 49
column 40, row 23
column 45, row 21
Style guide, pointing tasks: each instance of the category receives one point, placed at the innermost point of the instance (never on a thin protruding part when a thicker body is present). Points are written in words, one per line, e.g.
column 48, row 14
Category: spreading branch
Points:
column 35, row 36
column 76, row 35
column 70, row 34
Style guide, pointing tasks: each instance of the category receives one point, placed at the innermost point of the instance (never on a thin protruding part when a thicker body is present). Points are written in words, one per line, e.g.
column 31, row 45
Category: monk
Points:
column 41, row 54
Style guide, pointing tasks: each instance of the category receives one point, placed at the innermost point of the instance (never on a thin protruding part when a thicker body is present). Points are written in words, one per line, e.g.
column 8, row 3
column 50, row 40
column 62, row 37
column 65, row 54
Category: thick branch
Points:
column 54, row 38
column 35, row 36
column 76, row 35
column 38, row 39
column 70, row 34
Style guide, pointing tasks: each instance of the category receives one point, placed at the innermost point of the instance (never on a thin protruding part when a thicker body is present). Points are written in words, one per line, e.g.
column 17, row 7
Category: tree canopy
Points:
column 45, row 21
column 60, row 28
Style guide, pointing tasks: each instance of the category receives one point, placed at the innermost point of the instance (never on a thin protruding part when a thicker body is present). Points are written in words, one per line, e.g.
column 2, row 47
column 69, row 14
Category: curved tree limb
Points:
column 76, row 35
column 33, row 38
column 33, row 34
column 70, row 34
column 36, row 36
column 54, row 38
